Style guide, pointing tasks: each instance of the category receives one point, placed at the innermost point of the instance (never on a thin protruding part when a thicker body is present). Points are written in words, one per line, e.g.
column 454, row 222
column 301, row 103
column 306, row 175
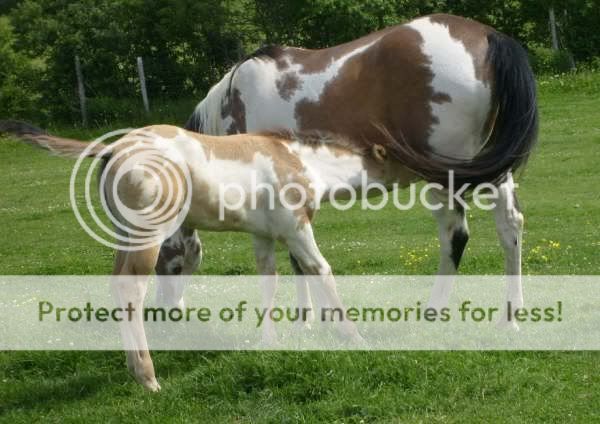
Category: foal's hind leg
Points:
column 180, row 254
column 453, row 235
column 264, row 251
column 129, row 285
column 509, row 225
column 305, row 307
column 303, row 247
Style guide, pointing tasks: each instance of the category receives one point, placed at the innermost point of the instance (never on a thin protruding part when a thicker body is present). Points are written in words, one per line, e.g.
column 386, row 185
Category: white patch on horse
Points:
column 209, row 109
column 461, row 121
column 263, row 102
column 327, row 169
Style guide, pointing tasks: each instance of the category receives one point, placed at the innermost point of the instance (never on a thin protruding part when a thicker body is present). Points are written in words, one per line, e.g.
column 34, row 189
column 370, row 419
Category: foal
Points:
column 280, row 181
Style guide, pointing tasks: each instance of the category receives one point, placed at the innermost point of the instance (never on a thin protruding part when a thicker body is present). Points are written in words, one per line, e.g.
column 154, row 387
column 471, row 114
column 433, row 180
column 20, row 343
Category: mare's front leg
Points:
column 303, row 247
column 264, row 251
column 129, row 285
column 509, row 226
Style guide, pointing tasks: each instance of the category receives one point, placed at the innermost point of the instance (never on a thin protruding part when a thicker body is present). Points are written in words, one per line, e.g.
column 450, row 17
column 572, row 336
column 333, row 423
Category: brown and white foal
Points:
column 300, row 170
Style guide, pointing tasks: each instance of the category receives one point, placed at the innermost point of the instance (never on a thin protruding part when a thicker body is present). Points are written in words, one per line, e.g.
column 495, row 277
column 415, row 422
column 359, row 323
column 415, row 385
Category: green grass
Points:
column 559, row 193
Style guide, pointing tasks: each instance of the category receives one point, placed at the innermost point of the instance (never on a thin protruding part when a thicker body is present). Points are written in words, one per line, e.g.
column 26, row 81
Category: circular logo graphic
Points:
column 144, row 186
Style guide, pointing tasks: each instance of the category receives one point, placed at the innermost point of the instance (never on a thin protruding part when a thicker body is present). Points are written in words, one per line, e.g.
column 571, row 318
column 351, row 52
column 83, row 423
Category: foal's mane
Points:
column 315, row 139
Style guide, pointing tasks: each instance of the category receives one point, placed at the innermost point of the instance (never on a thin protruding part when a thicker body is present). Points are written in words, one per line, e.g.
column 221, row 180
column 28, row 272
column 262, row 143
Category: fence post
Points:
column 81, row 90
column 140, row 66
column 552, row 19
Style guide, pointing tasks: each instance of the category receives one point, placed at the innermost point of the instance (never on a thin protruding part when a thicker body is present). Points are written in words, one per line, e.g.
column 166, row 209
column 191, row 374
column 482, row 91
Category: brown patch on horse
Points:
column 316, row 61
column 473, row 35
column 243, row 148
column 440, row 98
column 236, row 109
column 287, row 85
column 360, row 94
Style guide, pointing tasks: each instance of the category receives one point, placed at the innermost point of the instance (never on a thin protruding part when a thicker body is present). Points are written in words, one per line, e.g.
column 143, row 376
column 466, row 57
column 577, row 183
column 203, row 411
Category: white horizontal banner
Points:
column 229, row 313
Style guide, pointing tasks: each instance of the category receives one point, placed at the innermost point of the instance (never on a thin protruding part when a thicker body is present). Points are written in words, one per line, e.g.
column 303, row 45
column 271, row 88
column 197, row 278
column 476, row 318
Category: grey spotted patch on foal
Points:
column 171, row 256
column 180, row 253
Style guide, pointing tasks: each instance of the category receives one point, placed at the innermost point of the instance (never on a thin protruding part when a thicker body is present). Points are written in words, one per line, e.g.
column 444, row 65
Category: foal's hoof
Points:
column 150, row 384
column 147, row 381
column 354, row 340
column 357, row 341
column 268, row 340
column 302, row 326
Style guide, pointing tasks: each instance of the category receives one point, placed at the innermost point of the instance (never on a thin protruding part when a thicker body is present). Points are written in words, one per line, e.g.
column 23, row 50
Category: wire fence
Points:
column 146, row 90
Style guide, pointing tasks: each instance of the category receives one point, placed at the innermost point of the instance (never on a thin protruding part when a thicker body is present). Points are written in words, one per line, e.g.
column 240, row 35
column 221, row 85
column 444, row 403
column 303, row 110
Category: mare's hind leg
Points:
column 453, row 235
column 303, row 296
column 129, row 285
column 303, row 247
column 509, row 226
column 180, row 254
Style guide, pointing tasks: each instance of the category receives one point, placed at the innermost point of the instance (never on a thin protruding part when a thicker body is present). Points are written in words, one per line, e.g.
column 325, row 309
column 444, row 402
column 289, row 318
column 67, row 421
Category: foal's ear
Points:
column 379, row 152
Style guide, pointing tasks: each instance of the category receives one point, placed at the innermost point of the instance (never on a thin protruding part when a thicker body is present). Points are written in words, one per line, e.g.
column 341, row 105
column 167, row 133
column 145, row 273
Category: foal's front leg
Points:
column 264, row 251
column 180, row 254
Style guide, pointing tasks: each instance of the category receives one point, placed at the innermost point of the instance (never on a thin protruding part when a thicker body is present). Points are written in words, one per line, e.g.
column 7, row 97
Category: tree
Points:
column 18, row 94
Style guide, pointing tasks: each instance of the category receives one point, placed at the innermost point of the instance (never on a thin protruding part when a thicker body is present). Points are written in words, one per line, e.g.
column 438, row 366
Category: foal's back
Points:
column 235, row 182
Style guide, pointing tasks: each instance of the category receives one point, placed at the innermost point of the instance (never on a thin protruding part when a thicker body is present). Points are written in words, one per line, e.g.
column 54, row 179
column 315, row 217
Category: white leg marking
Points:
column 509, row 225
column 453, row 235
column 130, row 294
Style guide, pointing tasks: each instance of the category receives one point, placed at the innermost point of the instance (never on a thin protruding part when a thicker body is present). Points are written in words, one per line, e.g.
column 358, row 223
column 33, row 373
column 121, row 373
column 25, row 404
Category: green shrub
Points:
column 104, row 110
column 582, row 81
column 595, row 63
column 129, row 111
column 18, row 95
column 548, row 61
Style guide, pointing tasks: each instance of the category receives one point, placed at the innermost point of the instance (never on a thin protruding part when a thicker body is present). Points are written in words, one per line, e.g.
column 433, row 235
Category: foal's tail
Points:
column 57, row 145
column 515, row 130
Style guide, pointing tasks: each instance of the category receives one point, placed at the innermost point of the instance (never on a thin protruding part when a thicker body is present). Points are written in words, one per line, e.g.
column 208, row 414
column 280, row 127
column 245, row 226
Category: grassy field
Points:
column 559, row 194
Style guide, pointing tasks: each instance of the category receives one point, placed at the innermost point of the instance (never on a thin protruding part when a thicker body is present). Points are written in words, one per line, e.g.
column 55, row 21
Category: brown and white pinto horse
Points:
column 448, row 92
